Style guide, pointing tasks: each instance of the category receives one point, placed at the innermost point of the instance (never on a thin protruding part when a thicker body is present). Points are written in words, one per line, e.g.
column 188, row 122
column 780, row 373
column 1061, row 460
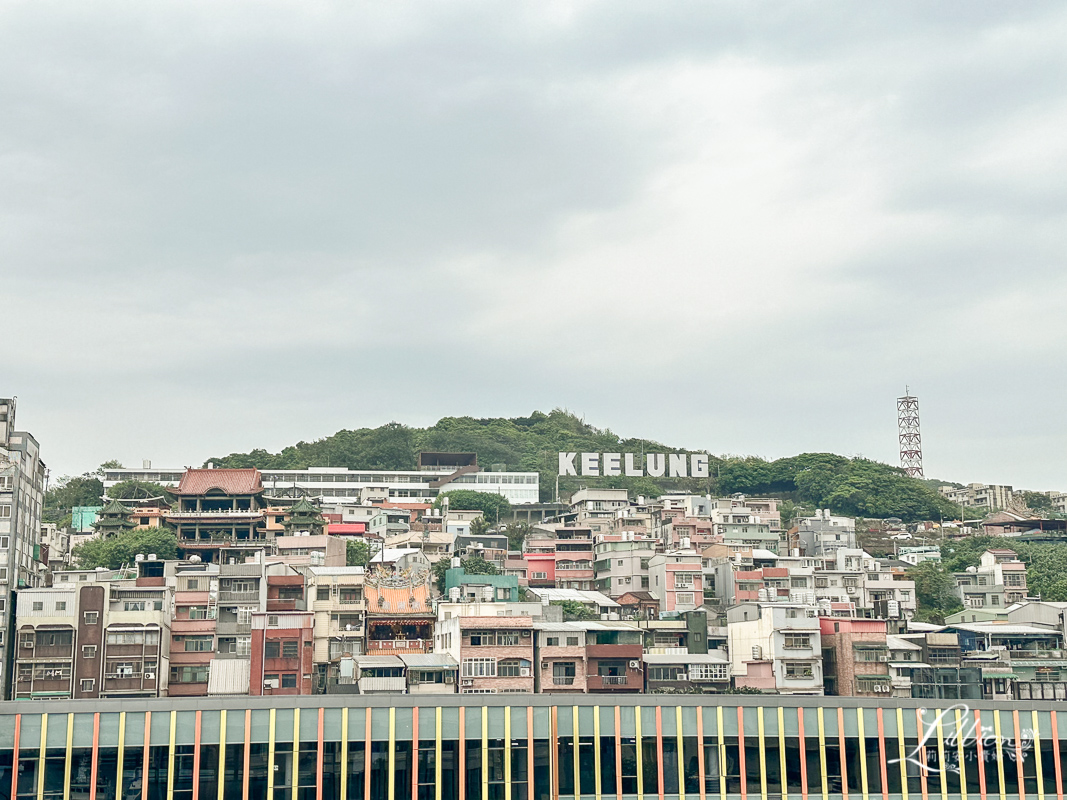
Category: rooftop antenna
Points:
column 911, row 453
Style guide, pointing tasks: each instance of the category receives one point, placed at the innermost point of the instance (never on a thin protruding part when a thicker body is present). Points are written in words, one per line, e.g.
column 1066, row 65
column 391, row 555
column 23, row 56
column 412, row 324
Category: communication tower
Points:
column 911, row 451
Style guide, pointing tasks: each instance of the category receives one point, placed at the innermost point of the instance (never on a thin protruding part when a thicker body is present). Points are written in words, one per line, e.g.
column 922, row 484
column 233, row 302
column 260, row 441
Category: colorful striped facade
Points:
column 530, row 748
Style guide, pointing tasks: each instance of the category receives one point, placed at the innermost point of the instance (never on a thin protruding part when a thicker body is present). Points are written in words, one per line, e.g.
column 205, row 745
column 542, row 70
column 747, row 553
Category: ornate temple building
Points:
column 400, row 616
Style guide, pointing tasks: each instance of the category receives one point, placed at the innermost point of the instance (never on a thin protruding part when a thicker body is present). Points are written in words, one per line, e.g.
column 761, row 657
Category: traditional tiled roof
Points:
column 406, row 601
column 230, row 481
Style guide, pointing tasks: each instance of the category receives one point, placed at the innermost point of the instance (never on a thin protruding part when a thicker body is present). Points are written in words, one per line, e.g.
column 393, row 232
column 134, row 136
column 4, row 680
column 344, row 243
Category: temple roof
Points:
column 230, row 481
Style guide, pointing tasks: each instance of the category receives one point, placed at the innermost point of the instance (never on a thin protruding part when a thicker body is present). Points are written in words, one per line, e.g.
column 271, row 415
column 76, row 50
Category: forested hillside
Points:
column 848, row 486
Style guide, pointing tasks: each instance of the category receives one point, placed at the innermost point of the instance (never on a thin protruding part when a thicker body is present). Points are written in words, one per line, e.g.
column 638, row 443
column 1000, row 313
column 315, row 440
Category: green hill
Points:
column 857, row 487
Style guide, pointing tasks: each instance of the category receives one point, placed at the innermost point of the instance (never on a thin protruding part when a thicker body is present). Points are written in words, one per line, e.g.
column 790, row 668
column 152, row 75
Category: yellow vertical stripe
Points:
column 862, row 743
column 596, row 750
column 122, row 747
column 170, row 753
column 437, row 754
column 392, row 754
column 640, row 766
column 962, row 758
column 344, row 754
column 1037, row 758
column 574, row 721
column 41, row 759
column 902, row 755
column 294, row 768
column 222, row 754
column 270, row 757
column 822, row 754
column 722, row 753
column 485, row 753
column 507, row 752
column 681, row 751
column 781, row 754
column 70, row 747
column 1001, row 761
column 762, row 755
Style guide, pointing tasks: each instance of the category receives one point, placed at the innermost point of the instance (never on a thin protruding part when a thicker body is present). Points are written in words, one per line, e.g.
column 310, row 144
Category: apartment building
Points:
column 776, row 648
column 282, row 660
column 620, row 562
column 741, row 526
column 687, row 673
column 22, row 482
column 979, row 495
column 824, row 534
column 677, row 579
column 560, row 556
column 855, row 657
column 495, row 654
column 598, row 657
column 997, row 582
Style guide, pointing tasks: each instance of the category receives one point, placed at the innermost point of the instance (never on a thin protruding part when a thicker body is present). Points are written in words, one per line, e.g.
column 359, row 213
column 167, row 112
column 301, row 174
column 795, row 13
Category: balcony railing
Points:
column 226, row 596
column 563, row 681
column 399, row 645
column 613, row 680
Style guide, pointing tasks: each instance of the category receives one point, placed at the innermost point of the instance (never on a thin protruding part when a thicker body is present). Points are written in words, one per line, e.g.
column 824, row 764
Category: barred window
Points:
column 479, row 668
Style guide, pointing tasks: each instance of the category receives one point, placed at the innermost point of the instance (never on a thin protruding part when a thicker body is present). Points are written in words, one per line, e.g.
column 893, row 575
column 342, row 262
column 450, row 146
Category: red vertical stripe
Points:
column 1055, row 757
column 248, row 753
column 96, row 756
column 659, row 749
column 319, row 761
column 980, row 753
column 1019, row 753
column 415, row 753
column 803, row 755
column 881, row 753
column 462, row 765
column 922, row 754
column 741, row 751
column 700, row 753
column 196, row 759
column 841, row 744
column 144, row 763
column 366, row 769
column 15, row 756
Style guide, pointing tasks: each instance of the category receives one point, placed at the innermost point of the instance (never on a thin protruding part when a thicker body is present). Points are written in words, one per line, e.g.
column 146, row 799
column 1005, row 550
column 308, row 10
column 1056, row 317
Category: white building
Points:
column 776, row 648
column 343, row 486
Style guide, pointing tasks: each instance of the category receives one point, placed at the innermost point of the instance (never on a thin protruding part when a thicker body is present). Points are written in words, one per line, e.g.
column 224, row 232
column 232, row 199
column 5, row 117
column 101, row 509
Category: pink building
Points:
column 495, row 654
column 676, row 578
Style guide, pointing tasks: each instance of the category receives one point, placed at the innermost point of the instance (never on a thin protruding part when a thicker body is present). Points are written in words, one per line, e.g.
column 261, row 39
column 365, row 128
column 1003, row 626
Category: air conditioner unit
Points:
column 544, row 665
column 882, row 688
column 150, row 676
column 449, row 678
column 524, row 672
column 526, row 634
column 273, row 683
column 635, row 665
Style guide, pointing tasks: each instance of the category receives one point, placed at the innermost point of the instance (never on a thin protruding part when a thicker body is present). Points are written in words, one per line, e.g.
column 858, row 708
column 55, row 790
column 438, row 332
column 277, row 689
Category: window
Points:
column 479, row 668
column 61, row 605
column 291, row 649
column 572, row 641
column 666, row 673
column 5, row 511
column 197, row 612
column 507, row 638
column 87, row 685
column 38, row 605
column 684, row 599
column 199, row 644
column 513, row 668
column 91, row 617
column 552, row 641
column 685, row 580
column 89, row 651
column 619, row 562
column 244, row 645
column 798, row 670
column 797, row 641
column 539, row 576
column 272, row 649
column 272, row 621
column 482, row 638
column 708, row 672
column 322, row 593
column 798, row 583
column 190, row 674
column 192, row 584
column 289, row 680
column 244, row 616
column 133, row 605
column 26, row 641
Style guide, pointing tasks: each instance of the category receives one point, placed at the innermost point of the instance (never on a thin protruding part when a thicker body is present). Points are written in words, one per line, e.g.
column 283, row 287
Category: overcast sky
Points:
column 734, row 226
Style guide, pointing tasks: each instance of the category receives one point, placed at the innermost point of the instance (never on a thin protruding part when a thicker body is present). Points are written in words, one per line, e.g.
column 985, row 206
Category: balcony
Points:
column 233, row 628
column 389, row 685
column 226, row 596
column 613, row 683
column 563, row 681
column 377, row 647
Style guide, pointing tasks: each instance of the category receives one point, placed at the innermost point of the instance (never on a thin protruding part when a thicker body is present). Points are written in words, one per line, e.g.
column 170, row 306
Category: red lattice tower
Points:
column 911, row 451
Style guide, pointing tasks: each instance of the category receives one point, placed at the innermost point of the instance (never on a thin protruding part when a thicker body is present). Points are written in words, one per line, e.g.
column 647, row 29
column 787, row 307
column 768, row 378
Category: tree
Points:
column 357, row 553
column 573, row 611
column 111, row 464
column 516, row 533
column 473, row 565
column 1039, row 503
column 494, row 507
column 81, row 490
column 479, row 527
column 935, row 592
column 124, row 548
column 139, row 490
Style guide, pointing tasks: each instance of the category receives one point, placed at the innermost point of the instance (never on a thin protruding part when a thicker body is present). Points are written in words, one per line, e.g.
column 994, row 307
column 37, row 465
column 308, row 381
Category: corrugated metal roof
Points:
column 228, row 676
column 378, row 661
column 575, row 594
column 423, row 660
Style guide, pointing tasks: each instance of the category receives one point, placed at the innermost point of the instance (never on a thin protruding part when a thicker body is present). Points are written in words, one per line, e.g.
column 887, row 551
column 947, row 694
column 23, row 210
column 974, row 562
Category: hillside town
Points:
column 338, row 581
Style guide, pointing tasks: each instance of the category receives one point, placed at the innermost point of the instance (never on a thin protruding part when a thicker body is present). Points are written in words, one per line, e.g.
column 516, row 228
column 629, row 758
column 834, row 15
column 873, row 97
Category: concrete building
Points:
column 776, row 648
column 855, row 657
column 560, row 556
column 495, row 654
column 690, row 673
column 979, row 495
column 676, row 578
column 22, row 484
column 620, row 562
column 282, row 652
column 997, row 582
column 342, row 486
column 825, row 533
